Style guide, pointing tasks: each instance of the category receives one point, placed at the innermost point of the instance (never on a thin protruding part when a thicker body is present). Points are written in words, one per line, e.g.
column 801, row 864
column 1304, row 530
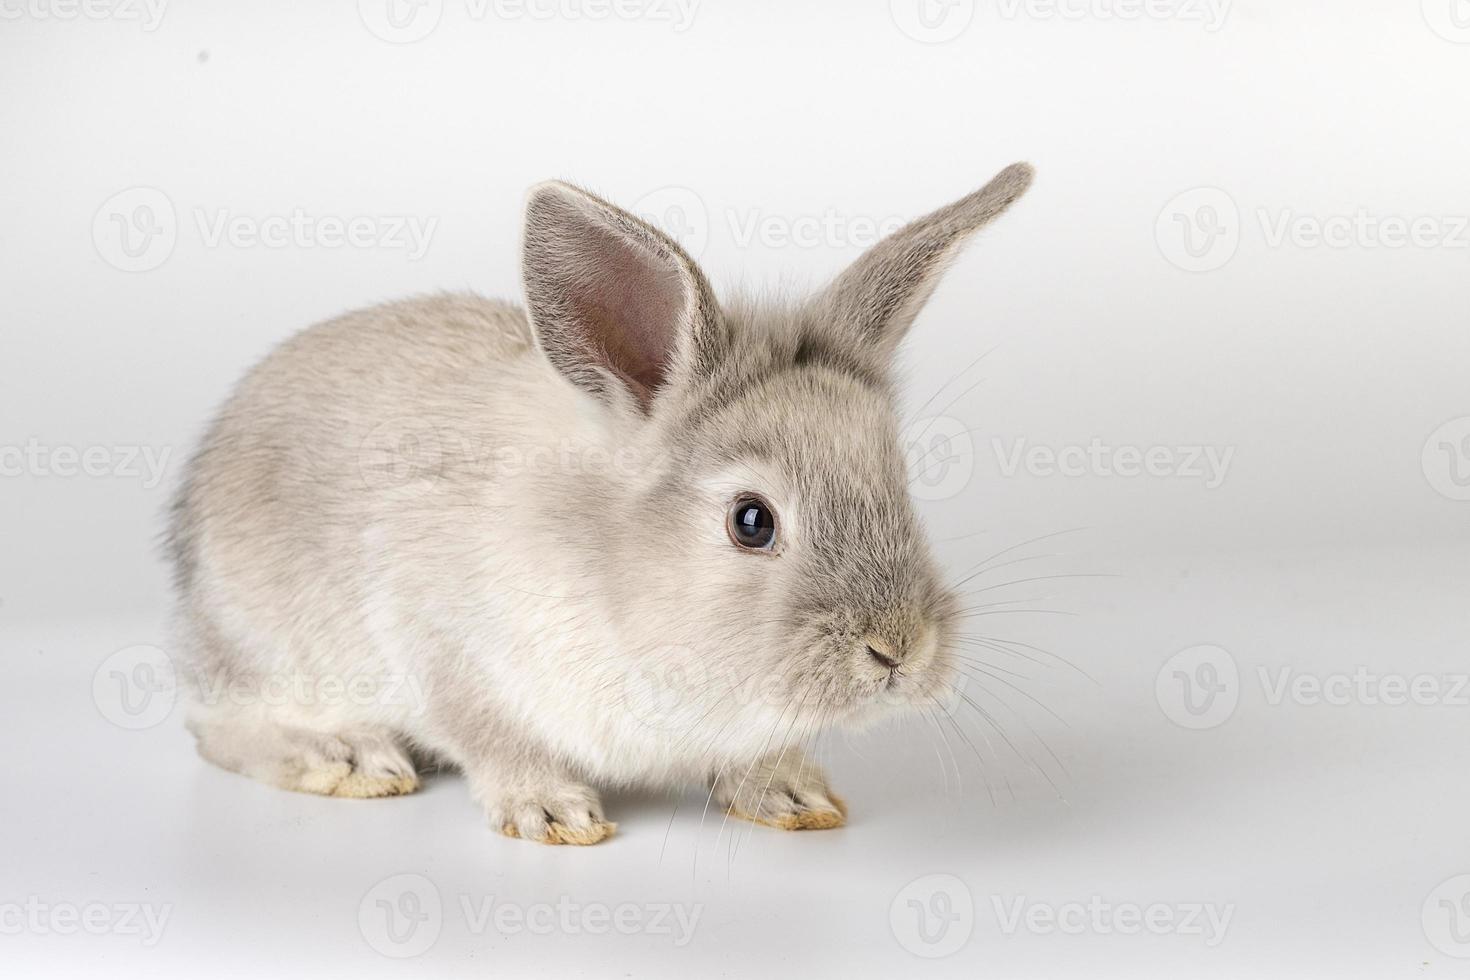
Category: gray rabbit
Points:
column 627, row 536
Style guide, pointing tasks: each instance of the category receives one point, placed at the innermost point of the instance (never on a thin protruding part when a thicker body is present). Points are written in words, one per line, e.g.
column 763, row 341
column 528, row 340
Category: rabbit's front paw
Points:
column 785, row 792
column 566, row 813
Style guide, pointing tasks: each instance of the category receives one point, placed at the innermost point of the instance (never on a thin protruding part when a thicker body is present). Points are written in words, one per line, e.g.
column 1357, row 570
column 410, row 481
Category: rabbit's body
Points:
column 347, row 520
column 431, row 525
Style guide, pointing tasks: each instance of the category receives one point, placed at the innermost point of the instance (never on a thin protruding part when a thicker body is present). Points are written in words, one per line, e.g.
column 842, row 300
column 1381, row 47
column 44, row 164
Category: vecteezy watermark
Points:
column 669, row 691
column 932, row 21
column 147, row 13
column 136, row 687
column 1446, row 459
column 1445, row 917
column 1201, row 230
column 937, row 21
column 410, row 456
column 675, row 690
column 400, row 21
column 136, row 230
column 1209, row 14
column 1365, row 687
column 141, row 920
column 403, row 916
column 37, row 459
column 940, row 453
column 827, row 229
column 1363, row 229
column 933, row 916
column 1450, row 19
column 407, row 21
column 295, row 688
column 1198, row 687
column 682, row 214
column 1207, row 464
column 1207, row 921
column 408, row 233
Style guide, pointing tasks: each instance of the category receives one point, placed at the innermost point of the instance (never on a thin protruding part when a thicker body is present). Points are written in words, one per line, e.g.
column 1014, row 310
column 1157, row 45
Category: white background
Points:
column 1333, row 542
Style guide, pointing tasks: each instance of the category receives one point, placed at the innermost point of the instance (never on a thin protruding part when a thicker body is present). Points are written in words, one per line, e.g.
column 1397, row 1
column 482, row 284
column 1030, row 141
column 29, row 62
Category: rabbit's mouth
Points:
column 887, row 675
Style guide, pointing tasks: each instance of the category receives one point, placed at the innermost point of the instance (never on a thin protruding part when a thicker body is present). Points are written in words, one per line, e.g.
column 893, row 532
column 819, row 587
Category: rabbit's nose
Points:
column 882, row 652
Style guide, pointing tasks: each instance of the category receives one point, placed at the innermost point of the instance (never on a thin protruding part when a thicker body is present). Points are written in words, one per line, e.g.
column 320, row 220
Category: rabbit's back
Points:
column 313, row 481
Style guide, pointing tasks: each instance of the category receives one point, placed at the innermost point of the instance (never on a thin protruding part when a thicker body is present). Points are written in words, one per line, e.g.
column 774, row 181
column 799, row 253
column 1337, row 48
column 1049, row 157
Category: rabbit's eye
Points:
column 752, row 523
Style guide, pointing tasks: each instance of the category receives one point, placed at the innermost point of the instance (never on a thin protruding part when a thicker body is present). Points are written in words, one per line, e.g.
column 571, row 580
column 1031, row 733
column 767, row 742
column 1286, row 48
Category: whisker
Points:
column 918, row 412
column 1041, row 578
column 1002, row 644
column 1005, row 551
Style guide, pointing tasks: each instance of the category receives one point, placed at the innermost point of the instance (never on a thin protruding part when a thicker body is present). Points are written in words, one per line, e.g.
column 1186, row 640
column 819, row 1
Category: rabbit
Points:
column 627, row 536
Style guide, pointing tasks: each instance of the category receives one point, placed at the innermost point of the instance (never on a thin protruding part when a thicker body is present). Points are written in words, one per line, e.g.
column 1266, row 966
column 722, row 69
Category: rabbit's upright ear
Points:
column 880, row 294
column 616, row 305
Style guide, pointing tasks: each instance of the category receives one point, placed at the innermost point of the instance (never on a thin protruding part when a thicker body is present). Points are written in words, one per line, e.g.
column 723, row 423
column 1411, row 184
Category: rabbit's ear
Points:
column 880, row 294
column 616, row 305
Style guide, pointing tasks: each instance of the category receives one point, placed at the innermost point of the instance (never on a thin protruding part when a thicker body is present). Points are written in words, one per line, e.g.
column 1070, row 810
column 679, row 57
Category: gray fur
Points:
column 520, row 521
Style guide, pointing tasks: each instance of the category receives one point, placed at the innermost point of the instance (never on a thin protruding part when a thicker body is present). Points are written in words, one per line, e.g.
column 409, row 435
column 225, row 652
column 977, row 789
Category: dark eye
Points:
column 753, row 523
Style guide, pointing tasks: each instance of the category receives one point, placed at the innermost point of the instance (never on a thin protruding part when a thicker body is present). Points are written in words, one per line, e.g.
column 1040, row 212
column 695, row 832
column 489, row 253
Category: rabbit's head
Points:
column 765, row 550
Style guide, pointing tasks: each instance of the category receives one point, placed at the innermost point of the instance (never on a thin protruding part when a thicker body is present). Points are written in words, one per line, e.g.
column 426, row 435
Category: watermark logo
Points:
column 668, row 691
column 676, row 690
column 1206, row 464
column 1446, row 459
column 1209, row 14
column 1450, row 19
column 674, row 921
column 412, row 456
column 828, row 229
column 680, row 213
column 147, row 13
column 136, row 230
column 300, row 689
column 402, row 916
column 1363, row 229
column 1199, row 230
column 1207, row 921
column 933, row 916
column 940, row 454
column 407, row 233
column 932, row 21
column 143, row 921
column 403, row 455
column 679, row 14
column 136, row 687
column 146, row 464
column 407, row 21
column 1445, row 917
column 400, row 21
column 1363, row 687
column 683, row 215
column 1199, row 687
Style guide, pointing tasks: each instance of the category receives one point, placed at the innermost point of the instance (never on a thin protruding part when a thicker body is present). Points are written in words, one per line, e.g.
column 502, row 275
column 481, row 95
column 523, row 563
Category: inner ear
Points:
column 614, row 303
column 628, row 303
